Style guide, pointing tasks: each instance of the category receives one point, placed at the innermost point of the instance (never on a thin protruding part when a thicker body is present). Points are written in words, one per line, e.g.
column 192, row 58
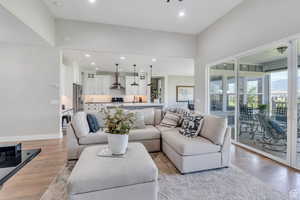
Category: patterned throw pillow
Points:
column 170, row 120
column 191, row 125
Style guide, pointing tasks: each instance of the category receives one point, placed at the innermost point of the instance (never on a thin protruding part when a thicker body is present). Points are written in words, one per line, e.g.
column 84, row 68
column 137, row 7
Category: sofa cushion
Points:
column 148, row 115
column 157, row 116
column 191, row 125
column 93, row 123
column 163, row 128
column 100, row 137
column 148, row 133
column 139, row 121
column 170, row 120
column 214, row 129
column 188, row 146
column 80, row 124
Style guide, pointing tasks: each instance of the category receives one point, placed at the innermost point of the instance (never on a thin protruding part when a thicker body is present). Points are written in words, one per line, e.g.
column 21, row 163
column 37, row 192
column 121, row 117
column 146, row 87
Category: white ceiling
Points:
column 107, row 61
column 11, row 28
column 147, row 14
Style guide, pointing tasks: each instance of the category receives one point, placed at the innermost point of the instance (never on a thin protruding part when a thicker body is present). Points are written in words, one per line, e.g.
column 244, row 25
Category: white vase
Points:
column 117, row 143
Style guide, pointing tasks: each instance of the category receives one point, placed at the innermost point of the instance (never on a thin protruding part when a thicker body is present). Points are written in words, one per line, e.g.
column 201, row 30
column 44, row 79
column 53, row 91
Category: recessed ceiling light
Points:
column 92, row 1
column 122, row 58
column 87, row 55
column 93, row 63
column 154, row 59
column 97, row 68
column 181, row 14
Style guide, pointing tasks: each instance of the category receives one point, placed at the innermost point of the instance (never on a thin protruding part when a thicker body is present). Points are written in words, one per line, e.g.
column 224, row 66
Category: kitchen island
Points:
column 96, row 106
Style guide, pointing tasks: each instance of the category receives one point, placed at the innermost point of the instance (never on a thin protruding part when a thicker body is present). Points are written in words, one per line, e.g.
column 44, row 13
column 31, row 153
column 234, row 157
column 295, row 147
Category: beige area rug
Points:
column 223, row 184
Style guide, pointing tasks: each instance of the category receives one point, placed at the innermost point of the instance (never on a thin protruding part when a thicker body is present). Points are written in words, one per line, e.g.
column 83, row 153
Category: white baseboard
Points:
column 30, row 137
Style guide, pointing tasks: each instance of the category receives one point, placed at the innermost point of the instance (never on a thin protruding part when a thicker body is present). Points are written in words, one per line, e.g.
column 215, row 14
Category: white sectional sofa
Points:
column 210, row 151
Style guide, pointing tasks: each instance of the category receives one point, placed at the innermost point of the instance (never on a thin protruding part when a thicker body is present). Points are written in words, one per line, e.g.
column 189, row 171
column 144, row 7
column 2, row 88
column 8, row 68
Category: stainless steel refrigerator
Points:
column 77, row 98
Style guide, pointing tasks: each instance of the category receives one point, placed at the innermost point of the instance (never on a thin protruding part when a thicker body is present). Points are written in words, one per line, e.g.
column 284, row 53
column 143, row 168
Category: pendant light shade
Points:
column 150, row 84
column 134, row 75
column 117, row 85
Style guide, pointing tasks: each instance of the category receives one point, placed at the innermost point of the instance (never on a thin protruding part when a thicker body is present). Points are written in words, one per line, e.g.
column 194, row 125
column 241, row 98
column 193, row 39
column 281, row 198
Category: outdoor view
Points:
column 222, row 92
column 262, row 104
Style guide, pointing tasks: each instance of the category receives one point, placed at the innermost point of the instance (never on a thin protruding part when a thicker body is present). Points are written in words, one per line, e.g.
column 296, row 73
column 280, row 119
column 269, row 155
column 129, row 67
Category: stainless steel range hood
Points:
column 117, row 85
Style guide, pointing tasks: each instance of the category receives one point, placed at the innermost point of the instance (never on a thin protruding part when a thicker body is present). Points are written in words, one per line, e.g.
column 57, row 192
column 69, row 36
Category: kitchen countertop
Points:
column 129, row 104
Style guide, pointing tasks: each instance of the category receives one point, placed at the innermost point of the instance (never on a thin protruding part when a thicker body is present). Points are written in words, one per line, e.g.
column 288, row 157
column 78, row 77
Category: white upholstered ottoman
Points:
column 132, row 177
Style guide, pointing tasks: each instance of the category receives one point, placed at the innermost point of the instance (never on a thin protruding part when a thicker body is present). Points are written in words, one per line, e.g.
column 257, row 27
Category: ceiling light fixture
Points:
column 154, row 59
column 92, row 1
column 181, row 14
column 282, row 49
column 97, row 68
column 87, row 55
column 93, row 63
column 168, row 1
column 122, row 58
column 134, row 75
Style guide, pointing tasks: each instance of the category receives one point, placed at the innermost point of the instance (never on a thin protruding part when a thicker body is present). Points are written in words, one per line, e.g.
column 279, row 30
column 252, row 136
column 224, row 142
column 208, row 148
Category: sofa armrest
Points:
column 72, row 143
column 225, row 150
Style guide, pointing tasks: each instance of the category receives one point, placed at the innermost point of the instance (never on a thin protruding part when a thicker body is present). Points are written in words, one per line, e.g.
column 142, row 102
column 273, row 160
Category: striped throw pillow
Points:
column 170, row 120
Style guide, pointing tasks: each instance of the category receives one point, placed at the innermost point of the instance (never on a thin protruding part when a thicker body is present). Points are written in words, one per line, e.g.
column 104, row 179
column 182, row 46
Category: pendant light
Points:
column 150, row 84
column 134, row 75
column 116, row 85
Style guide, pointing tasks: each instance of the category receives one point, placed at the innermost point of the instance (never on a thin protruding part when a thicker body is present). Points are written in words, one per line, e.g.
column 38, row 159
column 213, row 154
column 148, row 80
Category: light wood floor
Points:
column 32, row 181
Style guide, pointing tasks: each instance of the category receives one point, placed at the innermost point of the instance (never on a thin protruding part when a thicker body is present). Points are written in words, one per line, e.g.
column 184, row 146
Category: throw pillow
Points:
column 170, row 120
column 214, row 129
column 80, row 124
column 191, row 125
column 139, row 122
column 93, row 123
column 148, row 115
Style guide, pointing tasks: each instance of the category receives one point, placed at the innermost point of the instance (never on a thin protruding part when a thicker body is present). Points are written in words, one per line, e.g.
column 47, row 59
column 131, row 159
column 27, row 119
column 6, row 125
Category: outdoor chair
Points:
column 274, row 136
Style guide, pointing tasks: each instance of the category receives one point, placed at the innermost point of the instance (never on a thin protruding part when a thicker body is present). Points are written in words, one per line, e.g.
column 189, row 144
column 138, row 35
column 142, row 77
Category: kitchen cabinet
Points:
column 140, row 90
column 98, row 85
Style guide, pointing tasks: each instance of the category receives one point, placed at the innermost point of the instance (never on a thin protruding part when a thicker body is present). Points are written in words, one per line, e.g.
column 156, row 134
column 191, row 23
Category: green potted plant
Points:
column 118, row 124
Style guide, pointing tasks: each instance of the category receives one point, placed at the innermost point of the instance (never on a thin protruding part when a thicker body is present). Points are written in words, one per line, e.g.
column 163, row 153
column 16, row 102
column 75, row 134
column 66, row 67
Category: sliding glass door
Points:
column 263, row 101
column 259, row 93
column 222, row 93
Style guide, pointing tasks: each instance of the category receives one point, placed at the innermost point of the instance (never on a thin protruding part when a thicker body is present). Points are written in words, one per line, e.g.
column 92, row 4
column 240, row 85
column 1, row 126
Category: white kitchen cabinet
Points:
column 141, row 89
column 143, row 86
column 104, row 83
column 99, row 85
column 90, row 86
column 130, row 90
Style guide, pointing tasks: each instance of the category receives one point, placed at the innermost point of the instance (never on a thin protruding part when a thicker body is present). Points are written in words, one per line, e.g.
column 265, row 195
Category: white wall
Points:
column 253, row 23
column 174, row 81
column 34, row 14
column 29, row 81
column 110, row 38
column 66, row 84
